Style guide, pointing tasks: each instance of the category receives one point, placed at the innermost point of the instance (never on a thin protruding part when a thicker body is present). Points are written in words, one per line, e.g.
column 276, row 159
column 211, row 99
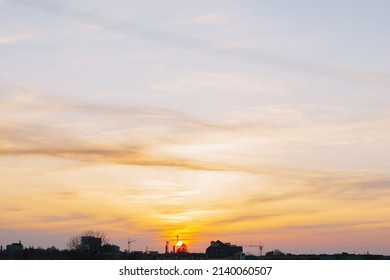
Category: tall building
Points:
column 90, row 244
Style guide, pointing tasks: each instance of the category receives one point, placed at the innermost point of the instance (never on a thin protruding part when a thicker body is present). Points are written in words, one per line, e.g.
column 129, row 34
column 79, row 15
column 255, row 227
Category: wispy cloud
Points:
column 35, row 124
column 12, row 39
column 53, row 140
column 62, row 218
column 322, row 226
column 204, row 196
column 196, row 44
column 211, row 18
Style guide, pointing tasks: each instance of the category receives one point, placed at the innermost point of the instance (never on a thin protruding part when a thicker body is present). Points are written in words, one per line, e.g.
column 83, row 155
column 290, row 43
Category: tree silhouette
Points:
column 74, row 242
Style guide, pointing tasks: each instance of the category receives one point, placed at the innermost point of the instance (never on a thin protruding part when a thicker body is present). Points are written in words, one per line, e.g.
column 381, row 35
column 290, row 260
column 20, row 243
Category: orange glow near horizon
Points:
column 165, row 207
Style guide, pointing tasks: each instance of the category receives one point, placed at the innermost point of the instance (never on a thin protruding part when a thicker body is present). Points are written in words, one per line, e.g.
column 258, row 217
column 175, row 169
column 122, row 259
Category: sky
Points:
column 244, row 121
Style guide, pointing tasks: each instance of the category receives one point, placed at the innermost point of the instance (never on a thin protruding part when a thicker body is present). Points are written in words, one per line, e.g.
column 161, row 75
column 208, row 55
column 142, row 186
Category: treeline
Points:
column 56, row 254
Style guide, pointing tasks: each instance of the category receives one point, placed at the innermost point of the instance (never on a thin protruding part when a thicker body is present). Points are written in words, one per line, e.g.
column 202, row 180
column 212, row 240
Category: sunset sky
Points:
column 240, row 120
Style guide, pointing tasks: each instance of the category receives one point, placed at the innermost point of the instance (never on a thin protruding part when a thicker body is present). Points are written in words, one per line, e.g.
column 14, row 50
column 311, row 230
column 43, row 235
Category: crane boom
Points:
column 129, row 244
column 260, row 246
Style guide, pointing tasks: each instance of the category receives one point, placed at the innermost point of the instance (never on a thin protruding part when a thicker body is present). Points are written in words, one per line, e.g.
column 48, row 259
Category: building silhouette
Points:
column 15, row 247
column 14, row 250
column 90, row 244
column 224, row 251
column 90, row 247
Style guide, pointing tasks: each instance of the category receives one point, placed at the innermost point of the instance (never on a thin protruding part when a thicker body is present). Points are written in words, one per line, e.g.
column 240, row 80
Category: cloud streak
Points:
column 22, row 133
column 200, row 45
column 22, row 141
column 12, row 39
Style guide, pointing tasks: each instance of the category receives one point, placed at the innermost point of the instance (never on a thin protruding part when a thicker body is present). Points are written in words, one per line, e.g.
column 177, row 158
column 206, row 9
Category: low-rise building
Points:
column 15, row 247
column 223, row 251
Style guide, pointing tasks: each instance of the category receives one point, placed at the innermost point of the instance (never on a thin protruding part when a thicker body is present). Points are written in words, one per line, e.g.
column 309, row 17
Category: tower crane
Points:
column 129, row 244
column 260, row 246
